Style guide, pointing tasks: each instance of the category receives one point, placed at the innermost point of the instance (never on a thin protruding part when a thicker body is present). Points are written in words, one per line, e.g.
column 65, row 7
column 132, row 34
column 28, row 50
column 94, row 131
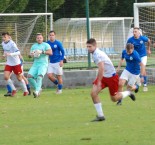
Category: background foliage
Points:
column 70, row 8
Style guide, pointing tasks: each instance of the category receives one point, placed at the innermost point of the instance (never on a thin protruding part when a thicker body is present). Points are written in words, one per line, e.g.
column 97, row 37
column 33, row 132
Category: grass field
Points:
column 65, row 119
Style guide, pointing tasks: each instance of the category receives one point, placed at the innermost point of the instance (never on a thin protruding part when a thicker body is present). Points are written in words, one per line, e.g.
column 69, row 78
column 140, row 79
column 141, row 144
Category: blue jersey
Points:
column 139, row 44
column 58, row 51
column 132, row 62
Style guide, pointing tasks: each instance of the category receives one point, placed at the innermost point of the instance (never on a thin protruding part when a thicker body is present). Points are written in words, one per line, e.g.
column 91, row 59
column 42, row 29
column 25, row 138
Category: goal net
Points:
column 110, row 34
column 23, row 27
column 144, row 18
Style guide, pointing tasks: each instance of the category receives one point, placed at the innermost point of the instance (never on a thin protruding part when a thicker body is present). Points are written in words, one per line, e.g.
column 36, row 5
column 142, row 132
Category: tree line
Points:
column 71, row 8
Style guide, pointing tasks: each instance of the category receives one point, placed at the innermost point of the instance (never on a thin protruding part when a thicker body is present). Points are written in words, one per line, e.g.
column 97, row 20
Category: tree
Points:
column 71, row 9
column 38, row 6
column 13, row 6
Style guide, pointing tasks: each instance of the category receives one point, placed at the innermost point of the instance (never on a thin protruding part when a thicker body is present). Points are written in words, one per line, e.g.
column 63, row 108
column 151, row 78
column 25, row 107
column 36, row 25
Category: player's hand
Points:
column 38, row 51
column 61, row 63
column 117, row 69
column 6, row 54
column 148, row 52
column 31, row 54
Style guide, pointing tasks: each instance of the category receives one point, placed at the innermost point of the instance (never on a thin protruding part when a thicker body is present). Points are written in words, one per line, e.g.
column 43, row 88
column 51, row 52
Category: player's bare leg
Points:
column 52, row 78
column 120, row 89
column 122, row 95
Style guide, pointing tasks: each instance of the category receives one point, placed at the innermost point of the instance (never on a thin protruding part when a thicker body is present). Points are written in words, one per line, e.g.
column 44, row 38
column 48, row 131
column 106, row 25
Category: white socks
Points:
column 10, row 83
column 125, row 94
column 99, row 110
column 23, row 85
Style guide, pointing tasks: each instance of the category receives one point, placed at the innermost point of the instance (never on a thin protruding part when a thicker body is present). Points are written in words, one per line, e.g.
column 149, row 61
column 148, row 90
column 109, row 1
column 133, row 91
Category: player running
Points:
column 40, row 52
column 56, row 62
column 9, row 90
column 106, row 77
column 11, row 52
column 139, row 45
column 132, row 71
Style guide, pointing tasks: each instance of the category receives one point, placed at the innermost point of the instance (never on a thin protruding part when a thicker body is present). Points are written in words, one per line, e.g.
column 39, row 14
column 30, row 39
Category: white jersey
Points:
column 100, row 56
column 11, row 47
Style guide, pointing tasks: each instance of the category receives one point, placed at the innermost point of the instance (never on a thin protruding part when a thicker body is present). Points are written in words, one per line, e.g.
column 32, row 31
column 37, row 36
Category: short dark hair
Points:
column 38, row 34
column 136, row 28
column 5, row 33
column 91, row 41
column 52, row 31
column 129, row 46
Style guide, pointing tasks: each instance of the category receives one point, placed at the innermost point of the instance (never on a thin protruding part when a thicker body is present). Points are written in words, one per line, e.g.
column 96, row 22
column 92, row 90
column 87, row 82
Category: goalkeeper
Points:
column 40, row 52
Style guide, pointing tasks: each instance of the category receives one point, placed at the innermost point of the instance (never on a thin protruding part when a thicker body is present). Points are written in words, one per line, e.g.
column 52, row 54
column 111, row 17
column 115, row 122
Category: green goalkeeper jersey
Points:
column 43, row 58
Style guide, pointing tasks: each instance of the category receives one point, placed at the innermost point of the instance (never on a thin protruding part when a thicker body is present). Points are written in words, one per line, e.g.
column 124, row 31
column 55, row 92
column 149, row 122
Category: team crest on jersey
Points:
column 55, row 46
column 131, row 58
column 141, row 42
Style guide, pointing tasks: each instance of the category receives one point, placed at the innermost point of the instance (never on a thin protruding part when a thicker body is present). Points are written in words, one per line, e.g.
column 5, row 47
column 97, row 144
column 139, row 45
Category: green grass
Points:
column 65, row 119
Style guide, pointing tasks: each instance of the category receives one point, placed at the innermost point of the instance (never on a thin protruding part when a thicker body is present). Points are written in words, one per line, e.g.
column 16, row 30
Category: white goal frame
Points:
column 136, row 11
column 33, row 14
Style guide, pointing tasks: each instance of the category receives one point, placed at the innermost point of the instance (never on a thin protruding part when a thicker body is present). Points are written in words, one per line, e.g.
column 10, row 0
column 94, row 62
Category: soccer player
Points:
column 25, row 79
column 106, row 77
column 132, row 71
column 40, row 52
column 11, row 52
column 56, row 62
column 139, row 45
column 9, row 90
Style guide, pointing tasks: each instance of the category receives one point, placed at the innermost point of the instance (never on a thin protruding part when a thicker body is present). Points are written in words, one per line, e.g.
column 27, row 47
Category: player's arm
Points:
column 31, row 54
column 100, row 72
column 21, row 58
column 119, row 65
column 12, row 54
column 62, row 54
column 48, row 52
column 15, row 49
column 148, row 46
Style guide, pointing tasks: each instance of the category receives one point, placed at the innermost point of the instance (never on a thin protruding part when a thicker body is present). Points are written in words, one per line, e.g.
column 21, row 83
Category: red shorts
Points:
column 111, row 83
column 16, row 69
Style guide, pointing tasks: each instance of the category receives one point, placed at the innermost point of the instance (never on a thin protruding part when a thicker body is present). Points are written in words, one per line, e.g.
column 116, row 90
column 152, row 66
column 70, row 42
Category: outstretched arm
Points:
column 119, row 65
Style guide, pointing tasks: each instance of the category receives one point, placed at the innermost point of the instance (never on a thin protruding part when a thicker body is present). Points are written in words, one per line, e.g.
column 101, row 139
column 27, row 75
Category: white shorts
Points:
column 144, row 60
column 55, row 68
column 130, row 78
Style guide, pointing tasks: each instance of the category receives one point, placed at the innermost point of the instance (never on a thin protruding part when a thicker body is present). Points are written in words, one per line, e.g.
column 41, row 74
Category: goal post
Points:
column 24, row 26
column 136, row 11
column 144, row 18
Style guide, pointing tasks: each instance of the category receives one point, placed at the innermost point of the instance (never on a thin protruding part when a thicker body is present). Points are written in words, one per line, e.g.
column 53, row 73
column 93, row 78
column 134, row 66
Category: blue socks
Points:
column 9, row 88
column 28, row 86
column 55, row 82
column 60, row 86
column 145, row 80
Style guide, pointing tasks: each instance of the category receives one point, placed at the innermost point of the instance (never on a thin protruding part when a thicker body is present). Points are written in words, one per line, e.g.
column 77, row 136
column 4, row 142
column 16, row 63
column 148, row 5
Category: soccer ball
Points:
column 36, row 54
